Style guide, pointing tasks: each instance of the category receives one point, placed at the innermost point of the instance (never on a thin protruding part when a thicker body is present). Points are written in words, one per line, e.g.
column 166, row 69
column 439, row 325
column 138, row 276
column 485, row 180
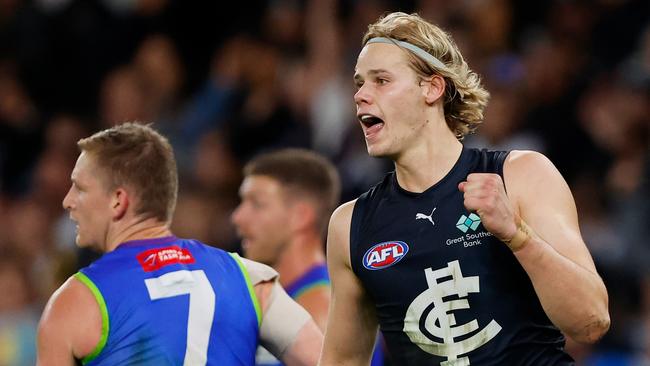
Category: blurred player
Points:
column 287, row 197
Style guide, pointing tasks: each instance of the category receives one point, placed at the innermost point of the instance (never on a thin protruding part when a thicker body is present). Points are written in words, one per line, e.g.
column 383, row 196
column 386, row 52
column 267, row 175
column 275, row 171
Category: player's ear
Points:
column 120, row 202
column 433, row 88
column 302, row 215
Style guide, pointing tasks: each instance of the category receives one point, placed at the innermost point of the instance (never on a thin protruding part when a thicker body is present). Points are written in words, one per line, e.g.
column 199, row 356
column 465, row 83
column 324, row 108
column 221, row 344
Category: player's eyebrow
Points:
column 373, row 72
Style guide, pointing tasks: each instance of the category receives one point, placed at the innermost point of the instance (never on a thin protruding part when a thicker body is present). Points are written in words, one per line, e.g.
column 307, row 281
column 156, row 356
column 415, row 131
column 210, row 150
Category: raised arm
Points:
column 70, row 327
column 352, row 324
column 538, row 220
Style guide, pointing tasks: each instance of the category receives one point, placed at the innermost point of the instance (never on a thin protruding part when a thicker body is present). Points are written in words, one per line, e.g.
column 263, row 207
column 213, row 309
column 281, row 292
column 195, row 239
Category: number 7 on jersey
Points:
column 201, row 312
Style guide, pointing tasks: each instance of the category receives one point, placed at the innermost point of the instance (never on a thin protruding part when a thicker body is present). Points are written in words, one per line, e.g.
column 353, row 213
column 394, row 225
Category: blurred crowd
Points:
column 227, row 80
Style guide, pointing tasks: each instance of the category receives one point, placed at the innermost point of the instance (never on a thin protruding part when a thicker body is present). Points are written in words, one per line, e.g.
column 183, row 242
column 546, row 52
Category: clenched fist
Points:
column 485, row 194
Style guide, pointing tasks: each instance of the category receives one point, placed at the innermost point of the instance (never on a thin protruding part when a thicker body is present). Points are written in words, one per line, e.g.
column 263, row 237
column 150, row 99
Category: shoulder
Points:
column 527, row 160
column 262, row 278
column 528, row 166
column 343, row 213
column 338, row 234
column 72, row 296
column 72, row 318
column 527, row 174
column 257, row 271
column 340, row 221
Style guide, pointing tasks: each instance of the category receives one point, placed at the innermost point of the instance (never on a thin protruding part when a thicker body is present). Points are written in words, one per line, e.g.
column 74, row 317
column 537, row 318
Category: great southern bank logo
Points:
column 384, row 255
column 468, row 222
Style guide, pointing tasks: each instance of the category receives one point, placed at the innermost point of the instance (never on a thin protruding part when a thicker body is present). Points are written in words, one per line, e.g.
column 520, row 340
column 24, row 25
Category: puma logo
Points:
column 429, row 217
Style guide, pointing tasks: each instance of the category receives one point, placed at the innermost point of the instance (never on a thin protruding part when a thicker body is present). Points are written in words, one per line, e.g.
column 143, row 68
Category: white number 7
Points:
column 201, row 312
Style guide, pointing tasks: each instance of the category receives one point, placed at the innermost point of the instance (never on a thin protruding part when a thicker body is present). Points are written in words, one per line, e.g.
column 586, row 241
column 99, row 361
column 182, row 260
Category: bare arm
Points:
column 556, row 258
column 306, row 348
column 548, row 242
column 352, row 324
column 317, row 302
column 287, row 329
column 70, row 326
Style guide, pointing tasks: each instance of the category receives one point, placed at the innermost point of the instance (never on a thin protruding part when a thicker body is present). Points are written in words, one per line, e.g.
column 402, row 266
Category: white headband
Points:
column 426, row 56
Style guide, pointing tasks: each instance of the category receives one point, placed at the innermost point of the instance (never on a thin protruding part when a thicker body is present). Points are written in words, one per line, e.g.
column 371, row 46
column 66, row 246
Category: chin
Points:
column 258, row 258
column 374, row 150
column 250, row 254
column 81, row 244
column 378, row 152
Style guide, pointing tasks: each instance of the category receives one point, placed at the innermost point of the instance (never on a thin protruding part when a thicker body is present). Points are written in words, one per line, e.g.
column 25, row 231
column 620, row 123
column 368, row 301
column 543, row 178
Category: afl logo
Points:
column 384, row 255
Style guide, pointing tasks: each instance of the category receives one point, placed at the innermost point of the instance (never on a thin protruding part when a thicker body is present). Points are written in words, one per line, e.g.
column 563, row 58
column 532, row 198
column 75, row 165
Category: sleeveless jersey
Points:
column 315, row 277
column 171, row 301
column 447, row 292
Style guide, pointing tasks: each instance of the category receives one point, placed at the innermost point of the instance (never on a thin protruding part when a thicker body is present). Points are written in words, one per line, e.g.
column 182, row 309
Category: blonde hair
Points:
column 465, row 98
column 135, row 155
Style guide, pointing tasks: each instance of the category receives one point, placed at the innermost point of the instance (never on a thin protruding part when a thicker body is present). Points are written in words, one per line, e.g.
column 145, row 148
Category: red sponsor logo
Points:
column 154, row 259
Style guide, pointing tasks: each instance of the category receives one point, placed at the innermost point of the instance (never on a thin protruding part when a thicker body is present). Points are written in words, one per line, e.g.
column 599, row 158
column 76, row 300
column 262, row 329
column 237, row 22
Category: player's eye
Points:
column 256, row 204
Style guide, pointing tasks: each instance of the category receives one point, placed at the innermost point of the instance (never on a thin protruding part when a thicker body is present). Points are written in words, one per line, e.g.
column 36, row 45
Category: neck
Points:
column 139, row 229
column 427, row 162
column 304, row 252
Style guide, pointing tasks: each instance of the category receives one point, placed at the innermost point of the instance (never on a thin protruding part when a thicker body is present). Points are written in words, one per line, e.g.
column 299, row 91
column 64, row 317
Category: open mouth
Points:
column 368, row 120
column 371, row 124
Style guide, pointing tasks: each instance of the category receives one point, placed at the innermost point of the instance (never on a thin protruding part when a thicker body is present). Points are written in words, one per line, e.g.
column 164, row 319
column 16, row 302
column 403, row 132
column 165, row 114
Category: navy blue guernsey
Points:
column 447, row 292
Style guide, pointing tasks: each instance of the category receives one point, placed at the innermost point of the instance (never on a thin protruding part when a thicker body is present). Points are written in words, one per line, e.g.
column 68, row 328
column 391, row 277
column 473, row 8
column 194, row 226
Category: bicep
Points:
column 70, row 326
column 352, row 324
column 53, row 348
column 287, row 330
column 544, row 200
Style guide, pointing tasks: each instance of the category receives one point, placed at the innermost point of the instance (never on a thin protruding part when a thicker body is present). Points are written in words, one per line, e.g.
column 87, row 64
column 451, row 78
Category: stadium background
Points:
column 226, row 80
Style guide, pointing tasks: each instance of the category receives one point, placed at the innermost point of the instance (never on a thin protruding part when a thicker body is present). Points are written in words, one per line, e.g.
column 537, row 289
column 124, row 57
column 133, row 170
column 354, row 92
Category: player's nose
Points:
column 362, row 96
column 236, row 216
column 67, row 201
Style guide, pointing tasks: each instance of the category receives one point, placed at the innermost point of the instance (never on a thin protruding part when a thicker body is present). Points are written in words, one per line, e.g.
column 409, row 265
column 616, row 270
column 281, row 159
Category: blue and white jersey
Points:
column 171, row 301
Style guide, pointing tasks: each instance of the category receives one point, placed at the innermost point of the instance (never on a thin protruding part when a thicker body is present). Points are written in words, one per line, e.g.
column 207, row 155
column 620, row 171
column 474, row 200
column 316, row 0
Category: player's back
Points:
column 171, row 301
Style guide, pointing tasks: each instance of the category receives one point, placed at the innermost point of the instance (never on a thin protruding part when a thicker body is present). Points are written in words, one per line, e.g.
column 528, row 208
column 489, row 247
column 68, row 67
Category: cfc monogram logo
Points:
column 431, row 325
